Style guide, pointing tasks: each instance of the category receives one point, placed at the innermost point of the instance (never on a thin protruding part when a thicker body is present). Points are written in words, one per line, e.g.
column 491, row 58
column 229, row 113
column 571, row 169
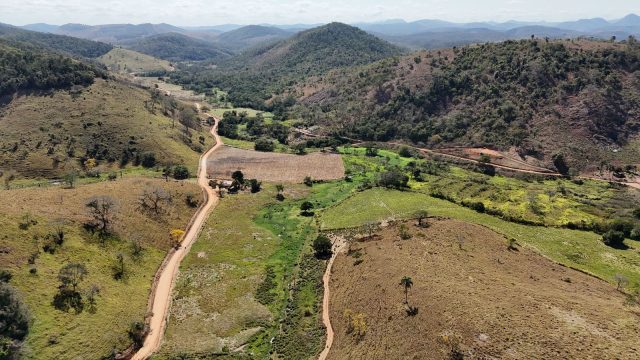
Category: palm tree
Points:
column 407, row 283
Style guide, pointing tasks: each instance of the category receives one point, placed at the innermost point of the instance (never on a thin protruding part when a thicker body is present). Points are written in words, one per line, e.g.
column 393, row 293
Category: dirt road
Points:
column 338, row 246
column 161, row 296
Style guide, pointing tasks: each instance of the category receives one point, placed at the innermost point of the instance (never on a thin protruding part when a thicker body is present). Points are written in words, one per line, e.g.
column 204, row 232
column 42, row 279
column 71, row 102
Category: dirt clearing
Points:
column 275, row 166
column 475, row 296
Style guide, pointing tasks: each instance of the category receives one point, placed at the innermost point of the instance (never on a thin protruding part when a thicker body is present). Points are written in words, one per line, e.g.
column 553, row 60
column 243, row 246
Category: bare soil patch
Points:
column 482, row 299
column 275, row 166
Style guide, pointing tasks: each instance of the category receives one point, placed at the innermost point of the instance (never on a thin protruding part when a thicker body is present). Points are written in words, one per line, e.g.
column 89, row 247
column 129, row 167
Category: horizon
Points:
column 296, row 12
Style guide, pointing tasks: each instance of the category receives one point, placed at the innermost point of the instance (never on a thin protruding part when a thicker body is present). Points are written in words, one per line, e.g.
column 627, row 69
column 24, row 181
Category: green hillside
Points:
column 124, row 60
column 255, row 75
column 178, row 47
column 576, row 98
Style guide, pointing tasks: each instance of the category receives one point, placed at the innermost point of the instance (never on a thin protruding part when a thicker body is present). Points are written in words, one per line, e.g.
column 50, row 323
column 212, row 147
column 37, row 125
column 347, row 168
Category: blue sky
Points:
column 213, row 12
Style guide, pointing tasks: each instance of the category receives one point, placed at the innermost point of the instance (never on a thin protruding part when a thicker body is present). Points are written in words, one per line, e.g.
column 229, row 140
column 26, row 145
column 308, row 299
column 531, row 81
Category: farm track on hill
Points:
column 160, row 297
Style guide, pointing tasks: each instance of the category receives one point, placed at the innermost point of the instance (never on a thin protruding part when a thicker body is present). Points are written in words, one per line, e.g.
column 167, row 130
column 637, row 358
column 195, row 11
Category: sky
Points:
column 216, row 12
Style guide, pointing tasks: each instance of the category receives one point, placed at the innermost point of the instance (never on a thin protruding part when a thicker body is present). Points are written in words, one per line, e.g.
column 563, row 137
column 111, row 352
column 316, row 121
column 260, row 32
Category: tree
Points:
column 393, row 179
column 14, row 321
column 405, row 152
column 71, row 275
column 371, row 151
column 264, row 145
column 176, row 236
column 9, row 176
column 280, row 194
column 238, row 176
column 300, row 148
column 138, row 331
column 180, row 172
column 484, row 158
column 148, row 159
column 614, row 239
column 154, row 199
column 406, row 283
column 560, row 163
column 255, row 185
column 119, row 269
column 322, row 246
column 421, row 216
column 102, row 209
column 70, row 178
column 621, row 281
column 306, row 208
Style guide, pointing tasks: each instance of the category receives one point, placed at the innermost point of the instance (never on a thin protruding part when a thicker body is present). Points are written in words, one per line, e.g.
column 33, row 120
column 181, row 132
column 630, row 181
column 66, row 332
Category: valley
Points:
column 396, row 190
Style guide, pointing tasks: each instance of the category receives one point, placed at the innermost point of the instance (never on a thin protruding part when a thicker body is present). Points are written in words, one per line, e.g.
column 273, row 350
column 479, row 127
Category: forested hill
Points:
column 60, row 43
column 178, row 47
column 29, row 69
column 579, row 98
column 257, row 74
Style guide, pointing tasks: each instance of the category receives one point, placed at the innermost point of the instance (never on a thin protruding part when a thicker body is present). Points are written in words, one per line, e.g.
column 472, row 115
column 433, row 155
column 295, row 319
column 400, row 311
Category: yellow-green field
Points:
column 92, row 333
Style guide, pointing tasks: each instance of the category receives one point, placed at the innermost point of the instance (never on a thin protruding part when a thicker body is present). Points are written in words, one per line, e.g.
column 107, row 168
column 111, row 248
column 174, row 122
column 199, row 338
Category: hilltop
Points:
column 258, row 73
column 539, row 98
column 250, row 36
column 114, row 33
column 178, row 47
column 65, row 44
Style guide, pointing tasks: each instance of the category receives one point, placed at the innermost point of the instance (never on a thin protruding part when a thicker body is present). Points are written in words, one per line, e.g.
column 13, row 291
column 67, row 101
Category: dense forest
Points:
column 178, row 47
column 30, row 69
column 60, row 43
column 538, row 95
column 255, row 75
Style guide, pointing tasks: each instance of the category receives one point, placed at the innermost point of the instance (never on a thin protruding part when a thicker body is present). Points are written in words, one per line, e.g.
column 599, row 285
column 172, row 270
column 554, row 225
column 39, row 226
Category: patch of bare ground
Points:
column 475, row 298
column 275, row 166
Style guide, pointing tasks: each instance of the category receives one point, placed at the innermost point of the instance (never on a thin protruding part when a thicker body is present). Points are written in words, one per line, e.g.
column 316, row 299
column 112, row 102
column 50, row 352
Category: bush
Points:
column 614, row 239
column 393, row 179
column 306, row 208
column 405, row 152
column 622, row 226
column 14, row 321
column 636, row 213
column 635, row 233
column 322, row 246
column 475, row 205
column 256, row 186
column 180, row 172
column 265, row 145
column 191, row 200
column 148, row 160
column 308, row 181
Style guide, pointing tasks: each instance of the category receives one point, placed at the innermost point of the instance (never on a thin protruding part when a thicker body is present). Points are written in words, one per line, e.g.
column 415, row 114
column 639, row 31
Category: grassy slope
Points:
column 59, row 335
column 124, row 60
column 109, row 116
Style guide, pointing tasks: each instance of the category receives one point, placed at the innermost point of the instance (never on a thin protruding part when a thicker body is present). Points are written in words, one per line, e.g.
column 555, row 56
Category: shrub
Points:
column 475, row 205
column 614, row 239
column 148, row 159
column 137, row 332
column 405, row 152
column 14, row 321
column 635, row 233
column 322, row 247
column 306, row 208
column 636, row 213
column 264, row 145
column 113, row 176
column 256, row 186
column 308, row 181
column 180, row 172
column 192, row 201
column 622, row 226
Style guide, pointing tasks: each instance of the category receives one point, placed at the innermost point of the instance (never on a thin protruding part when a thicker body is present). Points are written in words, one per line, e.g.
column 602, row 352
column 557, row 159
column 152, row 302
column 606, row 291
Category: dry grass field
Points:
column 58, row 334
column 274, row 166
column 474, row 297
column 129, row 61
column 174, row 90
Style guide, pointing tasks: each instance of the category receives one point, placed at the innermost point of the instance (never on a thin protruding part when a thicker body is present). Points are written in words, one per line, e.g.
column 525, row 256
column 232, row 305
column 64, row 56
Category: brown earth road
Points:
column 338, row 247
column 161, row 297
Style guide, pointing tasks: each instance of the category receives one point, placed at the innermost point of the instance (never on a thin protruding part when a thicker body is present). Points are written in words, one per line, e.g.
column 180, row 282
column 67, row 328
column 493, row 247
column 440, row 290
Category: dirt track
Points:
column 161, row 296
column 338, row 247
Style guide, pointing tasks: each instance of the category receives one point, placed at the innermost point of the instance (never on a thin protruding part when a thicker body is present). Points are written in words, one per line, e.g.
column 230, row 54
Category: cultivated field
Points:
column 578, row 249
column 129, row 61
column 473, row 297
column 92, row 333
column 274, row 166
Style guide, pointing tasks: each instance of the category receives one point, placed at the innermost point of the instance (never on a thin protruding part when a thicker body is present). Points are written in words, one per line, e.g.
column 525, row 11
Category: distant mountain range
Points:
column 416, row 34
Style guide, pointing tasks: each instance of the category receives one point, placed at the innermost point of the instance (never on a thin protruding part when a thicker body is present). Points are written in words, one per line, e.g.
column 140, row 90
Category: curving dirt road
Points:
column 161, row 296
column 338, row 247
